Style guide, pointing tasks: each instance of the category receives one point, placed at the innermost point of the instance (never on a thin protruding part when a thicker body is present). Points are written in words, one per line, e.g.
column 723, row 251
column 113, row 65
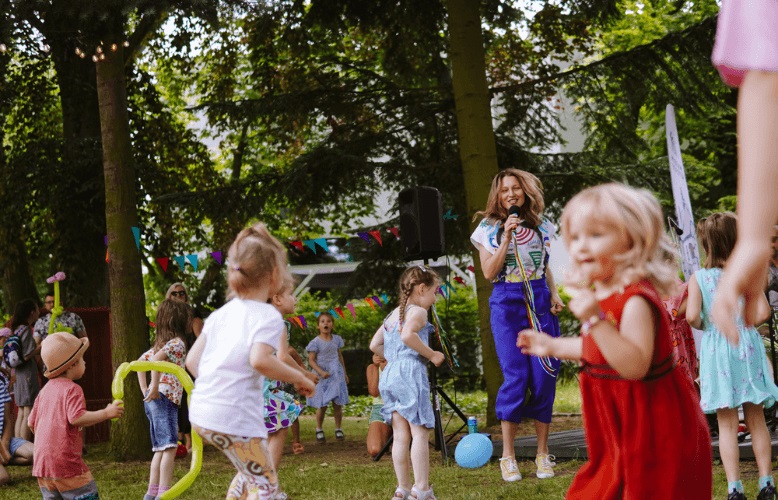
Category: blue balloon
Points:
column 473, row 451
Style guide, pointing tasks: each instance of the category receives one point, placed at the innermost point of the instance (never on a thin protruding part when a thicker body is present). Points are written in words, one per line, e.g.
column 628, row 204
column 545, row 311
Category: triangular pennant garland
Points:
column 377, row 236
column 340, row 312
column 365, row 237
column 136, row 235
column 350, row 307
column 377, row 300
column 217, row 256
column 471, row 269
column 370, row 301
column 192, row 258
column 302, row 320
column 395, row 231
column 297, row 244
column 181, row 261
column 163, row 262
column 322, row 243
column 333, row 313
column 310, row 244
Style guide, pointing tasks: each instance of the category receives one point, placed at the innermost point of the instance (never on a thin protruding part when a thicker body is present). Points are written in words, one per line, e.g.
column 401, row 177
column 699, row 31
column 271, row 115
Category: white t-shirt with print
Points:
column 227, row 396
column 532, row 248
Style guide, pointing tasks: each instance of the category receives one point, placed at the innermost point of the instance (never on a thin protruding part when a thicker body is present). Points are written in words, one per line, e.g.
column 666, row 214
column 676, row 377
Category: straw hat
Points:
column 60, row 350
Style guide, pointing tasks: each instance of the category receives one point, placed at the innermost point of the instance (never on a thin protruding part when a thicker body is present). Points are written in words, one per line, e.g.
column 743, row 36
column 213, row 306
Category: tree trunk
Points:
column 477, row 153
column 129, row 331
column 78, row 203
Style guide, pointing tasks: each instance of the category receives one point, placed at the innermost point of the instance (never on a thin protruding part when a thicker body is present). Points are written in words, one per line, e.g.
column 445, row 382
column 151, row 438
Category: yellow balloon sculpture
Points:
column 117, row 388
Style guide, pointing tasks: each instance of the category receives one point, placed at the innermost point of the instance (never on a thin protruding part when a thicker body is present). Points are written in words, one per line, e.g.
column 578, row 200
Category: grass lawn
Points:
column 343, row 470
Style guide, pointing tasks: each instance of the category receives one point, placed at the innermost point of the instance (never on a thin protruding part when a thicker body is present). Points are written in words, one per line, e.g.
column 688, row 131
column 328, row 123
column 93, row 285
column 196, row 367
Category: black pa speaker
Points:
column 421, row 223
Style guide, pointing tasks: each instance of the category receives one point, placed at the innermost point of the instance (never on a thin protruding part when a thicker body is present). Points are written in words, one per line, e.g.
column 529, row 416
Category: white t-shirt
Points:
column 227, row 396
column 532, row 247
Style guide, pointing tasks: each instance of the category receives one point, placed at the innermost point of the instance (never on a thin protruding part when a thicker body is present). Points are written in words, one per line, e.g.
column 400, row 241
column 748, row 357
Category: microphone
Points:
column 514, row 210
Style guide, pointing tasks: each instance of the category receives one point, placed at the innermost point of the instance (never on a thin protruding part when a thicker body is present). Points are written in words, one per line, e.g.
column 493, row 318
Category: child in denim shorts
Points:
column 163, row 395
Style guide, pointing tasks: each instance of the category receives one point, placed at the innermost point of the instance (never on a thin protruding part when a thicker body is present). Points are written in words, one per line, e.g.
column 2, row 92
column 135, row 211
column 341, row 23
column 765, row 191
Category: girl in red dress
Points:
column 645, row 433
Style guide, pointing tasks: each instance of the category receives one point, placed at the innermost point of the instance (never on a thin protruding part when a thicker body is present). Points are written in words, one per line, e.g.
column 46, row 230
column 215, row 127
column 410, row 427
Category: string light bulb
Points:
column 78, row 51
column 126, row 43
column 102, row 57
column 3, row 48
column 94, row 58
column 82, row 55
column 114, row 47
column 99, row 50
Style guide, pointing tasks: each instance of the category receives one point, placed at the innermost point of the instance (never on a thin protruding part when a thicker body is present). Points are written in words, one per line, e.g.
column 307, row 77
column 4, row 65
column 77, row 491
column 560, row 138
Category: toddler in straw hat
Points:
column 58, row 415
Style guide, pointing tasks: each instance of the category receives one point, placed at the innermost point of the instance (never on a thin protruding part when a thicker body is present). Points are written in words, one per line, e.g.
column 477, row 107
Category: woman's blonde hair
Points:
column 636, row 214
column 718, row 235
column 412, row 277
column 256, row 256
column 532, row 209
column 172, row 287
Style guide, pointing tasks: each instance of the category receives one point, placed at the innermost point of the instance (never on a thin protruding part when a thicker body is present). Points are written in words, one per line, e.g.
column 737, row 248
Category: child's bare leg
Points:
column 728, row 445
column 24, row 431
column 400, row 451
column 275, row 445
column 420, row 457
column 757, row 205
column 166, row 465
column 320, row 416
column 296, row 431
column 760, row 438
column 154, row 469
column 337, row 411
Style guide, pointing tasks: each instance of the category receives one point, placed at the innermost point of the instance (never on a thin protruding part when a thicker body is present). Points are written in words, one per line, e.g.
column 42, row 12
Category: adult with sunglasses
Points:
column 177, row 291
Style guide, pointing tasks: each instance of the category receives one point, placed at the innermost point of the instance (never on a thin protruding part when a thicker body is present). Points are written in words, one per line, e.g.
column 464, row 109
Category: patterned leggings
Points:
column 256, row 478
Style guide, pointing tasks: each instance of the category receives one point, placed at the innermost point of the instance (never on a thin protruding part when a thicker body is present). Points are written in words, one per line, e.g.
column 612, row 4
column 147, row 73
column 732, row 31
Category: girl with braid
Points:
column 233, row 355
column 403, row 341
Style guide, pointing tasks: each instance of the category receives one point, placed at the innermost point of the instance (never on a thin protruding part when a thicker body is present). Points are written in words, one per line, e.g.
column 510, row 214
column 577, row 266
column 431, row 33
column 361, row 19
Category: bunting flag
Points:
column 295, row 320
column 340, row 312
column 322, row 242
column 440, row 291
column 105, row 239
column 310, row 244
column 377, row 236
column 350, row 307
column 385, row 298
column 217, row 256
column 365, row 237
column 297, row 244
column 449, row 215
column 163, row 262
column 192, row 258
column 333, row 313
column 370, row 302
column 471, row 269
column 107, row 259
column 302, row 320
column 395, row 231
column 181, row 261
column 136, row 235
column 377, row 300
column 459, row 279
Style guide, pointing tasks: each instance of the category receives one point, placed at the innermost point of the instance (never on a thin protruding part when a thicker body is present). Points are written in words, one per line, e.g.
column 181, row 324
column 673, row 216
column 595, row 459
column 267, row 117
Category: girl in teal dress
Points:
column 731, row 375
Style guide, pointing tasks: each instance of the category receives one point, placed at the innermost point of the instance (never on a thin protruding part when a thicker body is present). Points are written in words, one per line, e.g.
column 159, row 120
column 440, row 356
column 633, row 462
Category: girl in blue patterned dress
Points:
column 326, row 360
column 403, row 340
column 731, row 375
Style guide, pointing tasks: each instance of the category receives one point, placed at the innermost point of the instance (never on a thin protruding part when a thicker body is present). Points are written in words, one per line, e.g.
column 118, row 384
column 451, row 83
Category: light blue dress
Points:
column 334, row 388
column 730, row 375
column 403, row 385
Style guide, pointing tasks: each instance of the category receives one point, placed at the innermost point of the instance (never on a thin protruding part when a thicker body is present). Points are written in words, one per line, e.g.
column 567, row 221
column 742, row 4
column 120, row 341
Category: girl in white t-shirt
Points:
column 231, row 358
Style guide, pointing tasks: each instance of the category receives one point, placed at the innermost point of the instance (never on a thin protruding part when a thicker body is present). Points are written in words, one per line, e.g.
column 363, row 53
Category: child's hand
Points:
column 437, row 358
column 305, row 387
column 325, row 375
column 534, row 343
column 115, row 409
column 312, row 377
column 152, row 394
column 583, row 303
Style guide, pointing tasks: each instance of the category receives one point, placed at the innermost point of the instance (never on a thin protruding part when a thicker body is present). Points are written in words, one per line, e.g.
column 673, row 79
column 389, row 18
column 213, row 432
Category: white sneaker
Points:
column 510, row 469
column 545, row 464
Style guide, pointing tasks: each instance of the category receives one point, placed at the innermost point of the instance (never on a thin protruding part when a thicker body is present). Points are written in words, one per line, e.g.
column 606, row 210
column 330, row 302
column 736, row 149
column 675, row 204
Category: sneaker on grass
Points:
column 510, row 469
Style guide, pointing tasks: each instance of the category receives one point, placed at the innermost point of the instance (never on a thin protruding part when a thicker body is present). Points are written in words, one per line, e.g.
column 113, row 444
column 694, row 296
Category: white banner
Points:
column 690, row 253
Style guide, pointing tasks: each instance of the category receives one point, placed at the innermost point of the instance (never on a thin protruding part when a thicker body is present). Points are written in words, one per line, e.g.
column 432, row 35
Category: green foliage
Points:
column 569, row 326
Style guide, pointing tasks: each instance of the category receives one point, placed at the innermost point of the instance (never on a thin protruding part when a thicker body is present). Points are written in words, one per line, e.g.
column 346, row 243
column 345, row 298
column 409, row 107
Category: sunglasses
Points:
column 178, row 294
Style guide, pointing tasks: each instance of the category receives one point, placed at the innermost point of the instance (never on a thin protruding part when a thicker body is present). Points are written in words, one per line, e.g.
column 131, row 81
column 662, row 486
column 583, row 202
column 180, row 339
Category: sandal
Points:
column 339, row 435
column 401, row 493
column 320, row 437
column 297, row 448
column 416, row 494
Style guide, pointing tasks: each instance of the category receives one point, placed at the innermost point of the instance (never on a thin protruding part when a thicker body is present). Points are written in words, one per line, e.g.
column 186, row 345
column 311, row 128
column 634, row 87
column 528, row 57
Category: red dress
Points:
column 646, row 438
